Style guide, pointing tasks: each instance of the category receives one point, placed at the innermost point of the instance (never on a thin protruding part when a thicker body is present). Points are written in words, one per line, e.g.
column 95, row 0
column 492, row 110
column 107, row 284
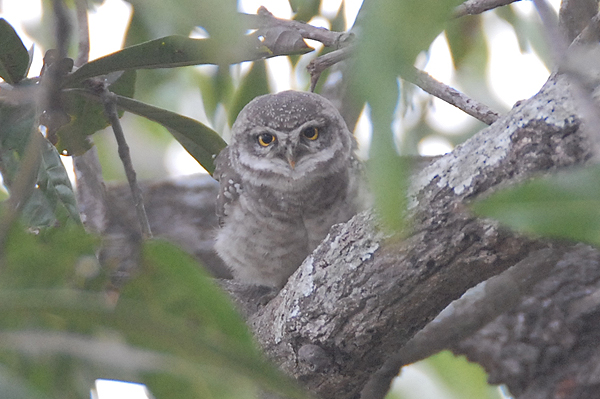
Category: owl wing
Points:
column 230, row 184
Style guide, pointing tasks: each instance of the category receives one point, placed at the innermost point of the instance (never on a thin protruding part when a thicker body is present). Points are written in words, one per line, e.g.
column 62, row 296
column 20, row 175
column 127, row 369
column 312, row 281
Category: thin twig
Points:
column 319, row 64
column 62, row 29
column 110, row 108
column 452, row 96
column 91, row 197
column 474, row 7
column 342, row 42
column 83, row 33
column 419, row 78
column 265, row 19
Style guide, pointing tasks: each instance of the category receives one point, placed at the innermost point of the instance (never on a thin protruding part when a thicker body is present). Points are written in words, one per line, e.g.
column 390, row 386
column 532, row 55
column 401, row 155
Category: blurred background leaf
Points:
column 254, row 84
column 199, row 140
column 165, row 52
column 394, row 35
column 400, row 30
column 171, row 323
column 87, row 116
column 565, row 205
column 14, row 57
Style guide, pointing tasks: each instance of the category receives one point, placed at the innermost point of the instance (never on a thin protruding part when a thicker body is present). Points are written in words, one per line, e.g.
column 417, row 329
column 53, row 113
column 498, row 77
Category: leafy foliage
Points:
column 52, row 199
column 166, row 52
column 14, row 58
column 169, row 323
column 87, row 116
column 199, row 140
column 562, row 206
column 413, row 25
column 171, row 328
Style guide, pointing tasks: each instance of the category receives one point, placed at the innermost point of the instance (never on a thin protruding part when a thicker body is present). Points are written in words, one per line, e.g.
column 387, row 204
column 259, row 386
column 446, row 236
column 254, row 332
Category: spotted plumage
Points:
column 288, row 174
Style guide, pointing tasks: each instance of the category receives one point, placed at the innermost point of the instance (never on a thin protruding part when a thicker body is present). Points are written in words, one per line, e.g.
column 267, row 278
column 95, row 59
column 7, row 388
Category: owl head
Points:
column 291, row 134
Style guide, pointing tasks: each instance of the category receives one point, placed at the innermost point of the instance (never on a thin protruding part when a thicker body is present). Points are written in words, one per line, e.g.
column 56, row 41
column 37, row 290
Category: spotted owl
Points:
column 288, row 174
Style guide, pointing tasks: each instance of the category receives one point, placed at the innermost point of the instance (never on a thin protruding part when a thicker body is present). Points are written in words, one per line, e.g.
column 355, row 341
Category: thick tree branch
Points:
column 359, row 298
column 465, row 316
column 583, row 77
column 547, row 347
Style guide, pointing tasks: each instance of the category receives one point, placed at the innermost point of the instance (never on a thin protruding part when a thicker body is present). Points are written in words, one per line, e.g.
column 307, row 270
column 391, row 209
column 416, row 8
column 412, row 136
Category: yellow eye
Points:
column 311, row 133
column 265, row 139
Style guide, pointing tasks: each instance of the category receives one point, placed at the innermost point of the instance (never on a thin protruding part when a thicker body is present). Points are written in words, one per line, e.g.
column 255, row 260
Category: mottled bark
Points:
column 360, row 296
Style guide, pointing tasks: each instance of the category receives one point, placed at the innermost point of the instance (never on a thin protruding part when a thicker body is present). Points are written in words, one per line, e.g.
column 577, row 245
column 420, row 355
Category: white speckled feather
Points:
column 279, row 196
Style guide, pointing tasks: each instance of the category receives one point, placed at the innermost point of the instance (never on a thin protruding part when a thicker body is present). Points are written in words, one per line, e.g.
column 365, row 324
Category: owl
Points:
column 288, row 174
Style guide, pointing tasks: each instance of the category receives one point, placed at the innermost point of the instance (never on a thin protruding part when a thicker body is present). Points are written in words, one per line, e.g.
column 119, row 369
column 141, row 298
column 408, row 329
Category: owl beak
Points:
column 291, row 161
column 291, row 157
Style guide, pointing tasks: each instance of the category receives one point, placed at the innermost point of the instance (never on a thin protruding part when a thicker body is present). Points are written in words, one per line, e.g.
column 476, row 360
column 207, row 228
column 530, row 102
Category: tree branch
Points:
column 574, row 16
column 359, row 297
column 342, row 42
column 83, row 33
column 91, row 197
column 546, row 347
column 265, row 19
column 465, row 316
column 110, row 107
column 453, row 97
column 319, row 64
column 474, row 7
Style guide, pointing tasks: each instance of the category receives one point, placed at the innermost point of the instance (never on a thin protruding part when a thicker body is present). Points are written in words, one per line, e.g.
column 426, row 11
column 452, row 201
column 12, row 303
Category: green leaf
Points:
column 15, row 387
column 465, row 379
column 254, row 84
column 172, row 282
column 168, row 52
column 219, row 18
column 393, row 34
column 338, row 23
column 87, row 116
column 14, row 57
column 305, row 10
column 44, row 260
column 216, row 88
column 16, row 124
column 206, row 325
column 53, row 198
column 54, row 182
column 467, row 43
column 172, row 326
column 199, row 140
column 566, row 205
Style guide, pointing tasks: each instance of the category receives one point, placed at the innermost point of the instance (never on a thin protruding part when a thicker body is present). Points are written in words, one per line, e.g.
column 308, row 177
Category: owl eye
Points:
column 265, row 139
column 311, row 133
